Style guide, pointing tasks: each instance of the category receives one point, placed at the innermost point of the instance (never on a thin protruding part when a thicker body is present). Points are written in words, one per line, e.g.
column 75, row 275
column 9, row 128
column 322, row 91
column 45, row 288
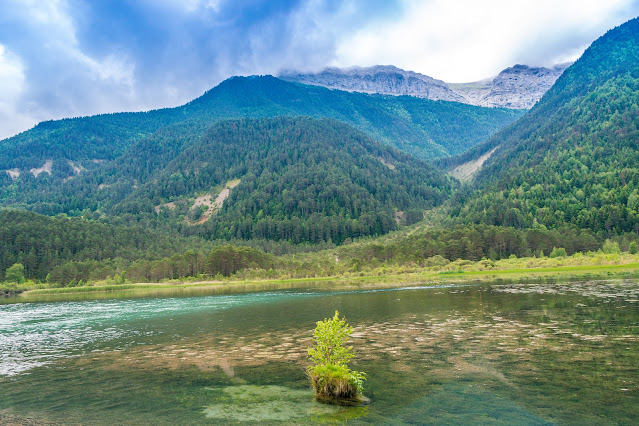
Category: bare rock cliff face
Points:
column 386, row 80
column 517, row 87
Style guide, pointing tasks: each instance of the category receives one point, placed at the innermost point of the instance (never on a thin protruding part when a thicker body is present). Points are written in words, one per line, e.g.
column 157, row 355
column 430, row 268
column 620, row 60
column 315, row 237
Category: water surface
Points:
column 491, row 354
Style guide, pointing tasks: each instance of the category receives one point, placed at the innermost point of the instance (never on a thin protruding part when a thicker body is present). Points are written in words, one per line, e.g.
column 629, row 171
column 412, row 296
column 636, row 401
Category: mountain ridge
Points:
column 424, row 128
column 573, row 158
column 517, row 87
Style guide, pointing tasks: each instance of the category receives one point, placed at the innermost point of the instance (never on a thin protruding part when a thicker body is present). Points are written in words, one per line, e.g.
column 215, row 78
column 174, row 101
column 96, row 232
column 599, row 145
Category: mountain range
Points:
column 287, row 166
column 424, row 128
column 517, row 87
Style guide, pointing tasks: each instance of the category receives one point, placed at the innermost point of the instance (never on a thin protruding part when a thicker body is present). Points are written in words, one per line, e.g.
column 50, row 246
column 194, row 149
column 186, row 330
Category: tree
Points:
column 331, row 336
column 15, row 273
column 611, row 247
column 330, row 376
column 558, row 252
column 632, row 248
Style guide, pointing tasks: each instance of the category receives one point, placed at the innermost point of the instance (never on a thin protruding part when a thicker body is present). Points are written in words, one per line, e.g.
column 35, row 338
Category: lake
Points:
column 539, row 353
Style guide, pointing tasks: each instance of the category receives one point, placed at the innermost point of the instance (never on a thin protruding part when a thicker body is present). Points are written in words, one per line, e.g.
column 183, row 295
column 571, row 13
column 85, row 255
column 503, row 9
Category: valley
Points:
column 167, row 266
column 281, row 183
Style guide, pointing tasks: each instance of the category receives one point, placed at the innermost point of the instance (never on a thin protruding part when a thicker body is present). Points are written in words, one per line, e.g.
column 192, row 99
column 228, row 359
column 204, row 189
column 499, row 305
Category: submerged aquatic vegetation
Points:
column 330, row 376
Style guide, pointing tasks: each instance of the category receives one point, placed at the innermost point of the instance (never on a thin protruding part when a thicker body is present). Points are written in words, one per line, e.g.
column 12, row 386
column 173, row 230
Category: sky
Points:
column 69, row 58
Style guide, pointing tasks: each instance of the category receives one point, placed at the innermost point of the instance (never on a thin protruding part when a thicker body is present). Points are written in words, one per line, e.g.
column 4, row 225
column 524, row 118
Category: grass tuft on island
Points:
column 336, row 384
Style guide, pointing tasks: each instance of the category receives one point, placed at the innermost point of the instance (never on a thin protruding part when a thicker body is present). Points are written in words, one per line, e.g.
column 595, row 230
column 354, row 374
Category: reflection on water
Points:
column 498, row 354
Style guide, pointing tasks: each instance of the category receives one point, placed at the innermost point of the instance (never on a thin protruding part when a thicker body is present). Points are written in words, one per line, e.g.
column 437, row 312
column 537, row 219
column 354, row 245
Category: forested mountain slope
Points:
column 574, row 158
column 295, row 179
column 425, row 128
column 279, row 161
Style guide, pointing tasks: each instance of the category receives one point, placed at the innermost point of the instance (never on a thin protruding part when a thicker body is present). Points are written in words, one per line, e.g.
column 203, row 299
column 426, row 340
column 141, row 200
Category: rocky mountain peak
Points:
column 517, row 87
column 382, row 79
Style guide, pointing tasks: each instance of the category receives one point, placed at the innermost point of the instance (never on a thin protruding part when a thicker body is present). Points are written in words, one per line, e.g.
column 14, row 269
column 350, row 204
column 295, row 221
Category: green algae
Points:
column 253, row 403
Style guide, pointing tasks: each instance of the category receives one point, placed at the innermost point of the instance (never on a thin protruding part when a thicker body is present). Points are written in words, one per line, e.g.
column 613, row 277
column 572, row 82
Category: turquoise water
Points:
column 488, row 354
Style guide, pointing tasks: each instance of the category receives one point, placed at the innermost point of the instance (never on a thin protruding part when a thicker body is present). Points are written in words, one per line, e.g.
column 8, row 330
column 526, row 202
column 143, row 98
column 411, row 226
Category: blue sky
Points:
column 65, row 58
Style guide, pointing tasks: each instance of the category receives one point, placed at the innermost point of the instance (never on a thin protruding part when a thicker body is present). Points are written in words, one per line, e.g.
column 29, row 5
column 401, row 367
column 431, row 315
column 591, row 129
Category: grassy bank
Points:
column 593, row 265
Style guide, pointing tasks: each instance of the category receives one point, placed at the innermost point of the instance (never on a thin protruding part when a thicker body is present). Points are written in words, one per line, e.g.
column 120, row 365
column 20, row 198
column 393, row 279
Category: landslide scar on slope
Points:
column 466, row 171
column 211, row 204
column 44, row 169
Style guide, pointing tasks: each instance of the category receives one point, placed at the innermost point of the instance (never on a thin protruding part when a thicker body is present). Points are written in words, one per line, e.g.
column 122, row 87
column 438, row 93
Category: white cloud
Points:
column 12, row 85
column 53, row 19
column 459, row 41
column 306, row 40
column 11, row 76
column 63, row 79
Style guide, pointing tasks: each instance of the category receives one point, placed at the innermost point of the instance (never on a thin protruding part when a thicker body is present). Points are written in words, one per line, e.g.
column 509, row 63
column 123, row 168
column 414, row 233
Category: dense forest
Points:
column 62, row 250
column 428, row 129
column 301, row 180
column 572, row 160
column 40, row 243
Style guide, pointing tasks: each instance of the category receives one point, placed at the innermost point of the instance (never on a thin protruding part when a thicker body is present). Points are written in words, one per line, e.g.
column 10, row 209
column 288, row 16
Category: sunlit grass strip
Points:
column 574, row 268
column 115, row 287
column 574, row 271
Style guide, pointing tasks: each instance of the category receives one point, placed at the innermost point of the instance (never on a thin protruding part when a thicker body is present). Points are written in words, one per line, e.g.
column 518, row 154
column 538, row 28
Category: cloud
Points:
column 65, row 58
column 460, row 41
column 12, row 86
column 84, row 57
column 187, row 6
column 58, row 78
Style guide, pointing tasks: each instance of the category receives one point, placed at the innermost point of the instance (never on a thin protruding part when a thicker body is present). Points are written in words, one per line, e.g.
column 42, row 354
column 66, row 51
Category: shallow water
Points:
column 482, row 354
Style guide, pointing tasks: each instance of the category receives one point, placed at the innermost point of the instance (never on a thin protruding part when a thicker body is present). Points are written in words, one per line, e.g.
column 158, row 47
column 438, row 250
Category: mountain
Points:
column 382, row 79
column 574, row 158
column 296, row 179
column 63, row 148
column 518, row 87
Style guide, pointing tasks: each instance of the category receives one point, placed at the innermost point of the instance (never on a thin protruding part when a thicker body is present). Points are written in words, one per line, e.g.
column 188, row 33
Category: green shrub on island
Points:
column 330, row 376
column 336, row 381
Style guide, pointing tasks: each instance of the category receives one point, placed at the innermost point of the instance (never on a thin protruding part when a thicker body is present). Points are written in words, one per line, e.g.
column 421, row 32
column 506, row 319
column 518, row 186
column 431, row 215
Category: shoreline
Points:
column 426, row 277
